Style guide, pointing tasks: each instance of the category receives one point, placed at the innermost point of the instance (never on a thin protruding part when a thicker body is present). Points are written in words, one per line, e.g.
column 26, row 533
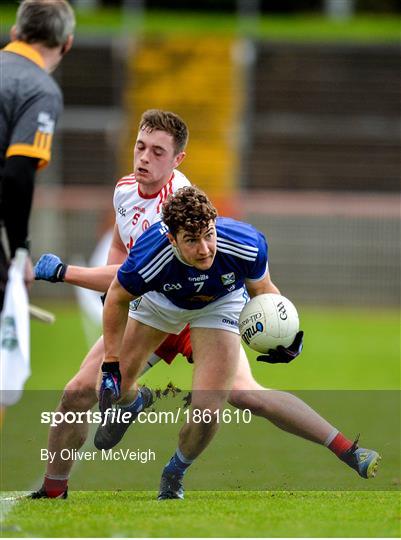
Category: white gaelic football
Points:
column 268, row 320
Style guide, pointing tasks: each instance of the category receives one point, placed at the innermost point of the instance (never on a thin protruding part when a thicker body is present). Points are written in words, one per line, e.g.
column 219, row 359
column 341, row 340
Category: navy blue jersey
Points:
column 153, row 265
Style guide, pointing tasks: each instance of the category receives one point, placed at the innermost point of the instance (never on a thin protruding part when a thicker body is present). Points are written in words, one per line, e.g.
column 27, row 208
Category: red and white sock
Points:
column 55, row 485
column 337, row 443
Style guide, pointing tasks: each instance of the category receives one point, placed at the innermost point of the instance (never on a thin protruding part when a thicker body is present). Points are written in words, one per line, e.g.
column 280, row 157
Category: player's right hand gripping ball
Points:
column 284, row 355
column 50, row 268
column 110, row 388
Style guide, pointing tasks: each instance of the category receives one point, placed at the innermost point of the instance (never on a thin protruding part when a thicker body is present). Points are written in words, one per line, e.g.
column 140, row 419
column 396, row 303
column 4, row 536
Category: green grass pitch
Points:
column 344, row 350
column 365, row 28
column 205, row 514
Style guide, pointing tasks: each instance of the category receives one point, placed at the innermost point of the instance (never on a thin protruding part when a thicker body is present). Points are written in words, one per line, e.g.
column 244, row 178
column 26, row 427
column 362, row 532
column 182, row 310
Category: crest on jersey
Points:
column 227, row 279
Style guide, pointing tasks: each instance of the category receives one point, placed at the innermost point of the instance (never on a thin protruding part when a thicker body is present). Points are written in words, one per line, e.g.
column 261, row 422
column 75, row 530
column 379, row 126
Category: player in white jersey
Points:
column 159, row 149
column 135, row 210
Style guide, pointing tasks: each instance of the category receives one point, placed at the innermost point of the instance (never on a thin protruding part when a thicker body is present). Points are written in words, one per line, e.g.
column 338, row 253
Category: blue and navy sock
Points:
column 136, row 406
column 178, row 464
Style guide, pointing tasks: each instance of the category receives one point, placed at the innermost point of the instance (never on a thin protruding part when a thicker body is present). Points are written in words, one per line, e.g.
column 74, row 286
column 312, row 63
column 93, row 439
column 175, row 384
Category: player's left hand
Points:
column 110, row 387
column 284, row 355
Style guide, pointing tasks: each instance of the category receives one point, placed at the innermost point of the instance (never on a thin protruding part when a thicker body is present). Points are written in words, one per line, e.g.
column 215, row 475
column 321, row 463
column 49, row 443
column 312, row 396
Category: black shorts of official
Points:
column 3, row 274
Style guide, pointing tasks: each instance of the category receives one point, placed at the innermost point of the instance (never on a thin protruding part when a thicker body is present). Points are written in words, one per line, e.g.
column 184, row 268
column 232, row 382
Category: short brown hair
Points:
column 169, row 122
column 188, row 208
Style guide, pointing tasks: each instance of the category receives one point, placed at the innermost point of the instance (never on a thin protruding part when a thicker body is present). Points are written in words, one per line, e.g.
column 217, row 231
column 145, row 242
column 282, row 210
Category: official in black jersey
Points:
column 30, row 105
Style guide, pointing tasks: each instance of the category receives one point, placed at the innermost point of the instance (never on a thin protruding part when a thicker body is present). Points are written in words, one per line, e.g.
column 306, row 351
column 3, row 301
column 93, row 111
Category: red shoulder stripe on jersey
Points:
column 167, row 185
column 170, row 182
column 126, row 183
column 163, row 193
column 129, row 179
column 161, row 199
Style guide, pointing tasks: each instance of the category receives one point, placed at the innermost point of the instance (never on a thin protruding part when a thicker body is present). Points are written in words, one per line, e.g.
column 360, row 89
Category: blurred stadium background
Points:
column 294, row 117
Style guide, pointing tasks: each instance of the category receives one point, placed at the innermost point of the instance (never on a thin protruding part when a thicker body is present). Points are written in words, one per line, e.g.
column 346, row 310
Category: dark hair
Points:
column 188, row 209
column 49, row 22
column 169, row 122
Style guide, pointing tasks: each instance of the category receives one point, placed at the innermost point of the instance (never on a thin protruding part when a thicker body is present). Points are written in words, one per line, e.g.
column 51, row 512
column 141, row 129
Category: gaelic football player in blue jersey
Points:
column 199, row 269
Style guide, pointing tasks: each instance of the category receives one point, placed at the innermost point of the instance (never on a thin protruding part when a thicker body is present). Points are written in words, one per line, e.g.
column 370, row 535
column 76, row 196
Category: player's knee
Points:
column 247, row 399
column 79, row 395
column 246, row 393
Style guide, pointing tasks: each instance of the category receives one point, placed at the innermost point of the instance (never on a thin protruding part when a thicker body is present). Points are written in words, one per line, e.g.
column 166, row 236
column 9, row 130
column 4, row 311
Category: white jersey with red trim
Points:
column 135, row 211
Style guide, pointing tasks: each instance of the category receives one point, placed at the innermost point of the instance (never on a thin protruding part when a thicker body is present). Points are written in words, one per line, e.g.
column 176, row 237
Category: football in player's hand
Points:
column 267, row 321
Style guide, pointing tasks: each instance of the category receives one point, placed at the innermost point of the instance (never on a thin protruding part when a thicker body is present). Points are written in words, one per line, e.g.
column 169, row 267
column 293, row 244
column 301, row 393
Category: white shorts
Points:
column 154, row 309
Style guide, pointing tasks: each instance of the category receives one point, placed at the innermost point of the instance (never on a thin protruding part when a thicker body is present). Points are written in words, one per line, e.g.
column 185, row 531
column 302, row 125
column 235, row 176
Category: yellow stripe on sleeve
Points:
column 28, row 150
column 48, row 141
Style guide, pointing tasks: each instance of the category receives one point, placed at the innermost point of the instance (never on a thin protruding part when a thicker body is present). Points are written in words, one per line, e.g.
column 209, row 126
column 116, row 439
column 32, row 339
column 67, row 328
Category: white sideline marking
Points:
column 6, row 505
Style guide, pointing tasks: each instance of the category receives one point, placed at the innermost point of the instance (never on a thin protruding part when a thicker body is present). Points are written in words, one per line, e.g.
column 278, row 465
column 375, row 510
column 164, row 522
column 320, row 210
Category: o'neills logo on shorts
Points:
column 135, row 304
column 229, row 322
